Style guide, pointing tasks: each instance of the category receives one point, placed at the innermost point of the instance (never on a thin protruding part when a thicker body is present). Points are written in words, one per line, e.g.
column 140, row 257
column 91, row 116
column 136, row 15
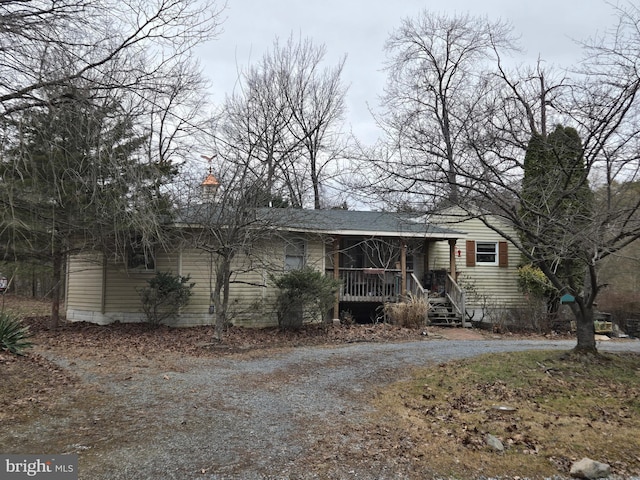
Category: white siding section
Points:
column 487, row 286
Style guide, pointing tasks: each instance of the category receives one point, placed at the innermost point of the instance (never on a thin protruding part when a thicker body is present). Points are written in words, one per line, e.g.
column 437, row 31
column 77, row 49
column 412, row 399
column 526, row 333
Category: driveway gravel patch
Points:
column 278, row 414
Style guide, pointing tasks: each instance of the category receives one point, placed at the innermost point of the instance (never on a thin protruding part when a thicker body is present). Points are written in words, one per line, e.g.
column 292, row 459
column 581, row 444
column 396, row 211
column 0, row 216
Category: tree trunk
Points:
column 315, row 181
column 220, row 296
column 55, row 291
column 585, row 332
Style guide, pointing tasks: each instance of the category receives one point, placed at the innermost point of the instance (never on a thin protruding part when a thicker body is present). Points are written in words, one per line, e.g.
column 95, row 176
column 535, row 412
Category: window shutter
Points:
column 503, row 254
column 471, row 253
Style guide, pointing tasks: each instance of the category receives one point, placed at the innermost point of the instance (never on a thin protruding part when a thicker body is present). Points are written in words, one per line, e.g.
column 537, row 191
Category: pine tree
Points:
column 75, row 180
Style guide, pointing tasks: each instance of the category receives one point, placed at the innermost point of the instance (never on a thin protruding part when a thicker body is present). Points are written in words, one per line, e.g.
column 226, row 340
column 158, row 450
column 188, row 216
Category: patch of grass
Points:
column 564, row 408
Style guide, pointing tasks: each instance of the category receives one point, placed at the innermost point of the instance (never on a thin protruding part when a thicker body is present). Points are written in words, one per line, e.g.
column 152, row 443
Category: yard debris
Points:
column 504, row 408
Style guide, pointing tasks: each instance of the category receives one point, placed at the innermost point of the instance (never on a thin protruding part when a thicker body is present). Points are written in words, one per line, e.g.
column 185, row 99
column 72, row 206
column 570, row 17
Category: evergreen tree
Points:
column 556, row 206
column 75, row 180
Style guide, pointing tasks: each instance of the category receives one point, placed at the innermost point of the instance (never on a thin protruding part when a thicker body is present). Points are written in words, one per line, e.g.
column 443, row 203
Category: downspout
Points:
column 66, row 285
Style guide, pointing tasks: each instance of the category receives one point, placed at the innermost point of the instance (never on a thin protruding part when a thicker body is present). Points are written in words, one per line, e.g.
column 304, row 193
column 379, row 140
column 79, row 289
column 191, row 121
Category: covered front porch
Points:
column 378, row 270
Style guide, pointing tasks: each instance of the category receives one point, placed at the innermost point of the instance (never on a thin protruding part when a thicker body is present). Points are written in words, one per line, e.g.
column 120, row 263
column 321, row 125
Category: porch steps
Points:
column 442, row 313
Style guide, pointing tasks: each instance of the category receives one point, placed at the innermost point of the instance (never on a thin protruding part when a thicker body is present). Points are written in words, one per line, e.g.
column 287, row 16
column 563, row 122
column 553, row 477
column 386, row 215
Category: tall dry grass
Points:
column 411, row 313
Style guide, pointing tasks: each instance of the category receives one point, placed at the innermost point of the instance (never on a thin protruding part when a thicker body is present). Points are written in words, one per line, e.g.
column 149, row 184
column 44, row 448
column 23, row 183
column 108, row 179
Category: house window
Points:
column 487, row 253
column 294, row 254
column 140, row 259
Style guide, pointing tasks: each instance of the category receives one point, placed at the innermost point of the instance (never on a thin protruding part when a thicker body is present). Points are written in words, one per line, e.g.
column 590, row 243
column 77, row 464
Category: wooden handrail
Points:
column 416, row 287
column 457, row 297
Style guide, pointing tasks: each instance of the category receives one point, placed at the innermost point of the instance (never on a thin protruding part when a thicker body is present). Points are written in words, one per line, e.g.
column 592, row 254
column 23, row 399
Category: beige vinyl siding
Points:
column 486, row 285
column 196, row 264
column 84, row 284
column 122, row 285
column 252, row 296
column 245, row 289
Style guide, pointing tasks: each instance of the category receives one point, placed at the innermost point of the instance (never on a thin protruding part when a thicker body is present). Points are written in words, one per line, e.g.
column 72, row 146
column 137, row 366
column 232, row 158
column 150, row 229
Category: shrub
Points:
column 346, row 317
column 164, row 295
column 532, row 280
column 13, row 334
column 304, row 292
column 411, row 313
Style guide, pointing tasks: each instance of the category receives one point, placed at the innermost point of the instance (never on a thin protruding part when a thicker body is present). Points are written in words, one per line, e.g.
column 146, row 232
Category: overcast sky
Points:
column 359, row 28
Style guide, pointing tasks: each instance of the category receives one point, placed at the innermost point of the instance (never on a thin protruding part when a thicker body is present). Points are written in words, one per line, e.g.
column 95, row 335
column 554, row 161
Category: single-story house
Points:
column 378, row 257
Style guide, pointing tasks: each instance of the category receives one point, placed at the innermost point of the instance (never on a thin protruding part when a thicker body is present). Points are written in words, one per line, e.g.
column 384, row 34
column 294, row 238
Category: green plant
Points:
column 13, row 334
column 531, row 280
column 304, row 292
column 164, row 295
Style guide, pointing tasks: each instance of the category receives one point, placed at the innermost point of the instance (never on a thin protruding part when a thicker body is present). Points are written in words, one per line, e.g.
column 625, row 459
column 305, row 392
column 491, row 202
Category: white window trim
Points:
column 496, row 253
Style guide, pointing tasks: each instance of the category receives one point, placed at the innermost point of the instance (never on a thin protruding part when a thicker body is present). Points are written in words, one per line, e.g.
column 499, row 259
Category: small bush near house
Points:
column 346, row 317
column 164, row 295
column 533, row 281
column 303, row 293
column 13, row 334
column 409, row 314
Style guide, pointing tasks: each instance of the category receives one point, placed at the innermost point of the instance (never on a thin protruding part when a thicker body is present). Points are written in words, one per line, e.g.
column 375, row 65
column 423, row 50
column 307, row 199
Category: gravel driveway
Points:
column 252, row 416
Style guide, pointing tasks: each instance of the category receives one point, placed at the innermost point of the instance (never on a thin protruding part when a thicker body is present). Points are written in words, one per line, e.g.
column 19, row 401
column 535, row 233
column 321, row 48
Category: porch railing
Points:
column 369, row 284
column 375, row 285
column 380, row 285
column 457, row 297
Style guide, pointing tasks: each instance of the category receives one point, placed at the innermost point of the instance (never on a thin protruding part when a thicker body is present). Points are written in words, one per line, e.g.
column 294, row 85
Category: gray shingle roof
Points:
column 351, row 222
column 334, row 222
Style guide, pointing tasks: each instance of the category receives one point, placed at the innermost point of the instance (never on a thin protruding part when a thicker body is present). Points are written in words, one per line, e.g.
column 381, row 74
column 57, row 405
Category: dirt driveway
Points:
column 280, row 413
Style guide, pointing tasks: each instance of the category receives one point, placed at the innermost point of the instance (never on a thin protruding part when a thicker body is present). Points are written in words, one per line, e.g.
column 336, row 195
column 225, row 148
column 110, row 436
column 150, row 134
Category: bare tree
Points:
column 316, row 101
column 286, row 113
column 464, row 140
column 433, row 96
column 255, row 120
column 234, row 227
column 51, row 42
column 557, row 231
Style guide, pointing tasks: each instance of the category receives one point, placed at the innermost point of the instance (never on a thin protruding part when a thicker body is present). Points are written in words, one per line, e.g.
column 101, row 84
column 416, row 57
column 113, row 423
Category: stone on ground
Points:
column 587, row 468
